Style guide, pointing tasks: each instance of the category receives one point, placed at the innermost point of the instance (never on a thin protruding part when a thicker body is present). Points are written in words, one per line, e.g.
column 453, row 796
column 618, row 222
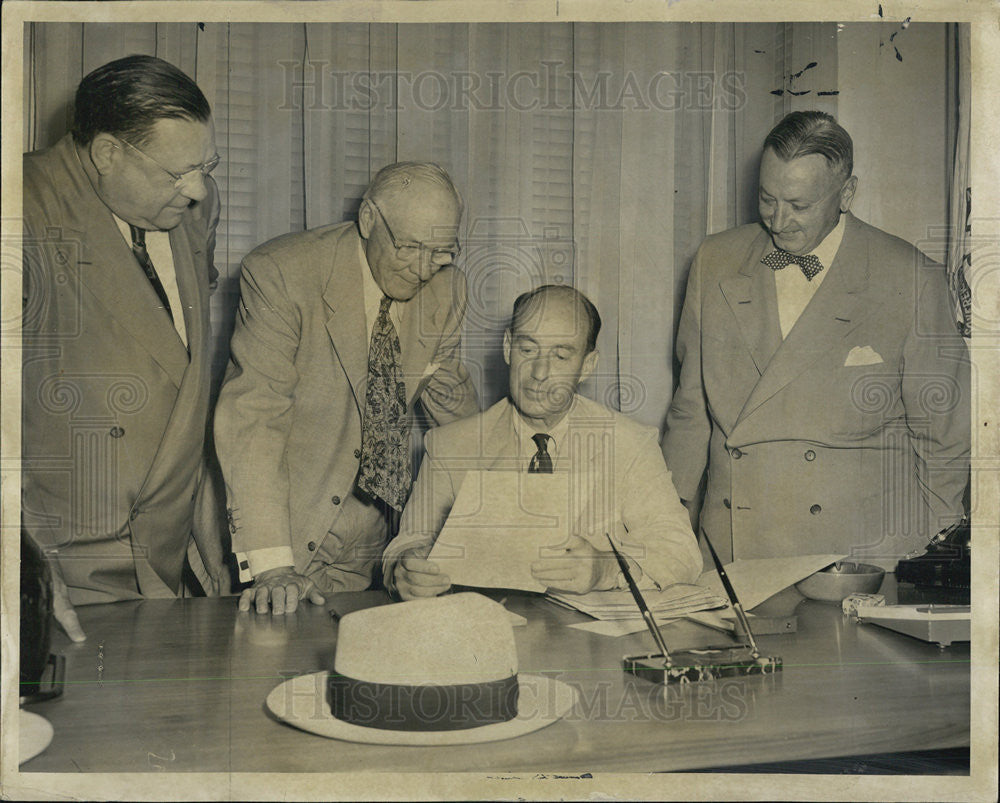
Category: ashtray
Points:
column 840, row 580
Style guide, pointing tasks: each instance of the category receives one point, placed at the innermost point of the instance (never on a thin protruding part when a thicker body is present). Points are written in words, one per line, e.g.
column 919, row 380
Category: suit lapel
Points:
column 417, row 320
column 834, row 311
column 751, row 297
column 188, row 252
column 109, row 270
column 500, row 447
column 344, row 296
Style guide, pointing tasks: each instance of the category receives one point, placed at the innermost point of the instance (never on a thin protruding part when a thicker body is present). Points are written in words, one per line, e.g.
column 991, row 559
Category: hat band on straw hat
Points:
column 422, row 708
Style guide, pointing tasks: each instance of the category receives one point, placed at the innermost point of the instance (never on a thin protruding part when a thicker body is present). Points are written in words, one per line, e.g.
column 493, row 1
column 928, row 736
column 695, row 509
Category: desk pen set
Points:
column 693, row 666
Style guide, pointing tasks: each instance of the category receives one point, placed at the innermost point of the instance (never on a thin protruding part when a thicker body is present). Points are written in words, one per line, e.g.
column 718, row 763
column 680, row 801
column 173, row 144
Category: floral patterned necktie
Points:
column 385, row 429
column 779, row 259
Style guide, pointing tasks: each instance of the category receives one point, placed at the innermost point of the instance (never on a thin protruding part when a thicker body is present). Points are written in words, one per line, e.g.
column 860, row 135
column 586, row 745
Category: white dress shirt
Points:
column 158, row 248
column 794, row 290
column 527, row 448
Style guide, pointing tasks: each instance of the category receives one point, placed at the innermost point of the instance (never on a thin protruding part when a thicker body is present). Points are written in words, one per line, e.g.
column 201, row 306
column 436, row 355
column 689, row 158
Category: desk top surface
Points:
column 180, row 685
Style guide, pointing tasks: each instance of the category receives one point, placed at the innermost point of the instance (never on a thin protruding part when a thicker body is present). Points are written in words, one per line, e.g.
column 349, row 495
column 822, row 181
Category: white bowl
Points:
column 840, row 580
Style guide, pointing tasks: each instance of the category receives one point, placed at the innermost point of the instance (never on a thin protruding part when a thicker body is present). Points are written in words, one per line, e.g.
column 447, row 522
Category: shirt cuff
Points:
column 256, row 561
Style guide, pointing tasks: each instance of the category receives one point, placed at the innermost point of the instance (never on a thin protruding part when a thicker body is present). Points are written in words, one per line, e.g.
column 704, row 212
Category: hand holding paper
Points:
column 579, row 568
column 419, row 577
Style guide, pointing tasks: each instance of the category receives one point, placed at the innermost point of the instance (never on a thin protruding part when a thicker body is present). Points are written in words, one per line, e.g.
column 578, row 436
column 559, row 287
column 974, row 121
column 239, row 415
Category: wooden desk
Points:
column 180, row 685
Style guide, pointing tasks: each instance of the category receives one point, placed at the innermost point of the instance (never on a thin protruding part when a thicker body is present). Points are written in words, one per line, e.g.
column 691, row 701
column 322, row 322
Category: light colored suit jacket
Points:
column 852, row 434
column 619, row 481
column 114, row 407
column 288, row 420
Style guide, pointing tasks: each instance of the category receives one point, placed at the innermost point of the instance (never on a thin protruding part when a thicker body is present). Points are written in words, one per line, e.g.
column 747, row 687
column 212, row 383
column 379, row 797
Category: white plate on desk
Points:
column 35, row 735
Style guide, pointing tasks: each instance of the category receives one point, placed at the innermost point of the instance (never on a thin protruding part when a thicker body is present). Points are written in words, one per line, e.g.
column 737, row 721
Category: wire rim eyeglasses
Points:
column 406, row 250
column 205, row 168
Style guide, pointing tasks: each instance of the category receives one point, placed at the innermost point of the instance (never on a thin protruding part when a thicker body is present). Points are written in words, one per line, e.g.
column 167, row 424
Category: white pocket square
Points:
column 862, row 355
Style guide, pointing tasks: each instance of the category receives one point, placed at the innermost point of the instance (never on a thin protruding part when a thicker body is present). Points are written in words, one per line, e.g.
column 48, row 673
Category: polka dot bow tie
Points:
column 779, row 259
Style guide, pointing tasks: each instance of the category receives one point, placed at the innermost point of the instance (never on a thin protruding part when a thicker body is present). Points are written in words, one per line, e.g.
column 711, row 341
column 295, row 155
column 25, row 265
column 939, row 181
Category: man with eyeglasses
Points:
column 340, row 331
column 119, row 234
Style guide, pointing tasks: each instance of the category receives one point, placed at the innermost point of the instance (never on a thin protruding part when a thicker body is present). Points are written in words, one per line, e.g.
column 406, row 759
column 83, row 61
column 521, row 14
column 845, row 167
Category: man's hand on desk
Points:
column 63, row 609
column 417, row 577
column 281, row 589
column 581, row 569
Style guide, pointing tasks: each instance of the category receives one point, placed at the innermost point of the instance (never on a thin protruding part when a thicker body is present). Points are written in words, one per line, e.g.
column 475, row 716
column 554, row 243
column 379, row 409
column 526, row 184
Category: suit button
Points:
column 815, row 510
column 357, row 454
column 311, row 546
column 132, row 516
column 737, row 454
column 727, row 504
column 810, row 455
column 116, row 432
column 335, row 500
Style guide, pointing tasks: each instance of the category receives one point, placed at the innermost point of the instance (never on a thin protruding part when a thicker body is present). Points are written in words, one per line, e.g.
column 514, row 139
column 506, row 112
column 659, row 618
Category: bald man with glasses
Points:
column 119, row 233
column 340, row 331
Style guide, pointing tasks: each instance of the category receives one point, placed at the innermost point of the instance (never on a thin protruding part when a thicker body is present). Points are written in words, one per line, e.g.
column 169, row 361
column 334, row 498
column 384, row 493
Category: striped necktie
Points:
column 142, row 256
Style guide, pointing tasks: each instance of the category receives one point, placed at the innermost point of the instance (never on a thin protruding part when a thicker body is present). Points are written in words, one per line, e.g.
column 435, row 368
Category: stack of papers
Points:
column 672, row 602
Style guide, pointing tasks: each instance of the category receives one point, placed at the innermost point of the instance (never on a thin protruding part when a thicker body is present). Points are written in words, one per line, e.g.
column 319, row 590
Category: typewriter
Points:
column 945, row 565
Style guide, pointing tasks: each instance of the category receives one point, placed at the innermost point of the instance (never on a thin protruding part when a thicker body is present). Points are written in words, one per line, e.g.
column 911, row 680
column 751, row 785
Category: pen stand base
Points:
column 696, row 666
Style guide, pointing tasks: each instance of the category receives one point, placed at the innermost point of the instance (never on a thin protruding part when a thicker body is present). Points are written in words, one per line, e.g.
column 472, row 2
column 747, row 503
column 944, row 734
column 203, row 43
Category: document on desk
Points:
column 501, row 523
column 757, row 579
column 619, row 607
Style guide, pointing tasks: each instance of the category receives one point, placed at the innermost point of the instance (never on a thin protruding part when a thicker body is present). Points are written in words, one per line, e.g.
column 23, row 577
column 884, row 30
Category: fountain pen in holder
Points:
column 693, row 666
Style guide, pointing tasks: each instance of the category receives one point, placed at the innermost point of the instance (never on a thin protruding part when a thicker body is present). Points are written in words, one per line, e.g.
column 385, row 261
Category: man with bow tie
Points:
column 824, row 385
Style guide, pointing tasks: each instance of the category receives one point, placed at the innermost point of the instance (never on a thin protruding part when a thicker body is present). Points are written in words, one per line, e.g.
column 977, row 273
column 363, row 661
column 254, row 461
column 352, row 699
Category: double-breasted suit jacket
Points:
column 114, row 405
column 850, row 435
column 288, row 421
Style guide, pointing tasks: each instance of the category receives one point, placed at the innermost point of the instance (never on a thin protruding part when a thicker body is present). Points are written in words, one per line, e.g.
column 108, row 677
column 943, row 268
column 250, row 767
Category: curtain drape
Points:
column 592, row 154
column 960, row 208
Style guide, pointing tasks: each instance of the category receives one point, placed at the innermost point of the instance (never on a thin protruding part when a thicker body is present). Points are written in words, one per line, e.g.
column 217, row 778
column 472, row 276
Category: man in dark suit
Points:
column 119, row 233
column 341, row 330
column 823, row 382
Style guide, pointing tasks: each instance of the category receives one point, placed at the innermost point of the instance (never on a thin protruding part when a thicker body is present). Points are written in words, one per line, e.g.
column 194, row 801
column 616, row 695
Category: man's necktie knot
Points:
column 385, row 430
column 541, row 462
column 779, row 259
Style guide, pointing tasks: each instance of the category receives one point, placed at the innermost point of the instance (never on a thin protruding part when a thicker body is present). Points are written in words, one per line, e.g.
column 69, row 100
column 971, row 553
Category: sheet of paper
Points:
column 758, row 579
column 501, row 523
column 516, row 620
column 621, row 627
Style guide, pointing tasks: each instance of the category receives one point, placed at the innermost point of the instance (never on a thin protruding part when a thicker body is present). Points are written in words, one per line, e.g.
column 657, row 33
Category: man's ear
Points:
column 847, row 193
column 105, row 151
column 589, row 364
column 366, row 218
column 506, row 346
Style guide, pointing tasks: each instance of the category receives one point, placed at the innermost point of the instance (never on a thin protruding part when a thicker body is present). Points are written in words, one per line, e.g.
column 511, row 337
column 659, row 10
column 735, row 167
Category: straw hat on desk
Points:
column 439, row 671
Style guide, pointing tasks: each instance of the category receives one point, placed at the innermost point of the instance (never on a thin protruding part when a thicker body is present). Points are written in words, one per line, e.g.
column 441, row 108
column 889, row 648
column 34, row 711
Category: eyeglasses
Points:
column 408, row 250
column 179, row 178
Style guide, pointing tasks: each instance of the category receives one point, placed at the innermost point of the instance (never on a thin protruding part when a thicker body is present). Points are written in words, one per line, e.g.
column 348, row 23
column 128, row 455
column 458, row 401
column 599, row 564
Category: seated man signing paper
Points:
column 617, row 480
